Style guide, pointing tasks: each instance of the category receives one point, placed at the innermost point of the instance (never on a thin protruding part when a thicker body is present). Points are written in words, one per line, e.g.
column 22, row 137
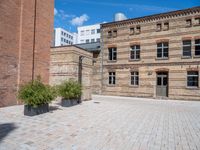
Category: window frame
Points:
column 193, row 76
column 162, row 48
column 112, row 78
column 188, row 24
column 158, row 27
column 186, row 46
column 113, row 54
column 134, row 49
column 195, row 47
column 134, row 78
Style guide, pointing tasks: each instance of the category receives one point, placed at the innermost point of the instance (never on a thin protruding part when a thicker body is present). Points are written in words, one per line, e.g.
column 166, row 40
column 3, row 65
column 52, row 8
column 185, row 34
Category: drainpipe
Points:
column 34, row 34
column 80, row 67
column 102, row 57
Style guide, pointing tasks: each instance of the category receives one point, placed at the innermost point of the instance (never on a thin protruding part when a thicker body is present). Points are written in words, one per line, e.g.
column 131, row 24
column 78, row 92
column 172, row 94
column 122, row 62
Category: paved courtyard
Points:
column 105, row 123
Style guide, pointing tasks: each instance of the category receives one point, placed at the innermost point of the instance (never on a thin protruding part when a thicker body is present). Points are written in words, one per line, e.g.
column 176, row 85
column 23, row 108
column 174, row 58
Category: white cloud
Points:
column 78, row 21
column 55, row 11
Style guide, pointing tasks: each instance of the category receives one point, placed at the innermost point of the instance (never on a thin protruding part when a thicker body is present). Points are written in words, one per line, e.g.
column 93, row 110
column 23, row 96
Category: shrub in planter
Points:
column 70, row 91
column 36, row 97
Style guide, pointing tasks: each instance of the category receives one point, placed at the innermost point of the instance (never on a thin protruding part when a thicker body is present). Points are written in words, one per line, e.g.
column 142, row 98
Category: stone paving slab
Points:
column 105, row 123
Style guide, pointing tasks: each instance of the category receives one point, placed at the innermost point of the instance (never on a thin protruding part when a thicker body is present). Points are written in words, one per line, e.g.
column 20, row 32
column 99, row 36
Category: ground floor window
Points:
column 192, row 79
column 112, row 78
column 135, row 78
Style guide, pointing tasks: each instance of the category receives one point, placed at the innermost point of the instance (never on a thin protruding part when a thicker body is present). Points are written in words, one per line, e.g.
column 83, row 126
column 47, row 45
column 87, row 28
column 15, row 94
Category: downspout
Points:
column 80, row 66
column 34, row 34
column 102, row 57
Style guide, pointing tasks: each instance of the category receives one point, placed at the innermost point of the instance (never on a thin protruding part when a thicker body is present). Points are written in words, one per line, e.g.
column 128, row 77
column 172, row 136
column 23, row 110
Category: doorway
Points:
column 162, row 84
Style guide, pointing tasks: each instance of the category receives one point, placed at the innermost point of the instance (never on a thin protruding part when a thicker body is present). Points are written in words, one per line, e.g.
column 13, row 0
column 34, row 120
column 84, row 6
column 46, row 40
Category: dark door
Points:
column 162, row 84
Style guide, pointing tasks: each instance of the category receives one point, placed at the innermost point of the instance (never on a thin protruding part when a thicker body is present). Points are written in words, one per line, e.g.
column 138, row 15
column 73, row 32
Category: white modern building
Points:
column 89, row 34
column 63, row 37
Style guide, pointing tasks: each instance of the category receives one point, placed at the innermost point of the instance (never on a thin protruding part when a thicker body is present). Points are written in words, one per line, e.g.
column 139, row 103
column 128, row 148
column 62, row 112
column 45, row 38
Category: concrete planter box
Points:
column 32, row 111
column 69, row 102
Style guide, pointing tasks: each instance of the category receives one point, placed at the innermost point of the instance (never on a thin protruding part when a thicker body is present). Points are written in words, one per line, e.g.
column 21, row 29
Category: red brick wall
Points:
column 16, row 44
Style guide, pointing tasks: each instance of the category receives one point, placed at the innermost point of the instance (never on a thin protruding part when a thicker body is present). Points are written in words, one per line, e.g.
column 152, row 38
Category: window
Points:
column 109, row 34
column 112, row 53
column 197, row 21
column 82, row 33
column 192, row 79
column 197, row 47
column 62, row 39
column 87, row 41
column 132, row 31
column 135, row 78
column 111, row 78
column 93, row 31
column 159, row 27
column 98, row 30
column 187, row 48
column 115, row 33
column 62, row 32
column 166, row 26
column 138, row 30
column 87, row 32
column 82, row 41
column 162, row 50
column 188, row 22
column 92, row 40
column 135, row 52
column 98, row 39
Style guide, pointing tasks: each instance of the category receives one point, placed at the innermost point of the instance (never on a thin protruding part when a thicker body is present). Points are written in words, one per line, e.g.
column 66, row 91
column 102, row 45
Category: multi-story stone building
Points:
column 26, row 27
column 152, row 56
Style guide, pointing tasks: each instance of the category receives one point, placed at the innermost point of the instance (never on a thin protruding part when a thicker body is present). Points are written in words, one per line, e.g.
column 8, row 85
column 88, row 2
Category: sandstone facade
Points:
column 65, row 65
column 172, row 28
column 25, row 39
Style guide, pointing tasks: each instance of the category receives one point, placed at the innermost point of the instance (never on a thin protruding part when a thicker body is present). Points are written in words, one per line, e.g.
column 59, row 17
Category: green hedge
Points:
column 35, row 93
column 70, row 90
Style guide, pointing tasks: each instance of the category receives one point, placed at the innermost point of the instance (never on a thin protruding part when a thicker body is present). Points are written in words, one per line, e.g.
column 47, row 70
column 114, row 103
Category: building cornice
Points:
column 167, row 15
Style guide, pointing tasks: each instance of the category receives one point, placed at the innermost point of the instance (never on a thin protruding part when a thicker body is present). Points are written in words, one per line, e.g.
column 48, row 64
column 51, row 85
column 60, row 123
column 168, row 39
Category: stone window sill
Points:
column 134, row 86
column 196, row 56
column 111, row 85
column 167, row 58
column 186, row 57
column 111, row 61
column 192, row 88
column 133, row 60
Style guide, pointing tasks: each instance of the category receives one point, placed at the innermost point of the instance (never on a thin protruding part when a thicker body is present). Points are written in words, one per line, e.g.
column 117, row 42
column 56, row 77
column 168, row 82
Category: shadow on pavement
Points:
column 53, row 108
column 5, row 129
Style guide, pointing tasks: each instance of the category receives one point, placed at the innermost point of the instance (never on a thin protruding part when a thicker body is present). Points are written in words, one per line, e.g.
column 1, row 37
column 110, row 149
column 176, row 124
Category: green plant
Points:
column 35, row 93
column 70, row 90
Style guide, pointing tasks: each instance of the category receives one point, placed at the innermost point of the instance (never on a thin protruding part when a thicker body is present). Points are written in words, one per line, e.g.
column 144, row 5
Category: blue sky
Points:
column 69, row 14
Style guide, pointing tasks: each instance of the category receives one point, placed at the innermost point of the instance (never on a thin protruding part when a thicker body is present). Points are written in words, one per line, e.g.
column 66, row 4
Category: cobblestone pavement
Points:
column 105, row 123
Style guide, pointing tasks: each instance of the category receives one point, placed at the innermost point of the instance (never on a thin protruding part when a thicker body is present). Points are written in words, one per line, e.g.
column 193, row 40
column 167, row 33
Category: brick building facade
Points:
column 153, row 56
column 72, row 62
column 25, row 39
